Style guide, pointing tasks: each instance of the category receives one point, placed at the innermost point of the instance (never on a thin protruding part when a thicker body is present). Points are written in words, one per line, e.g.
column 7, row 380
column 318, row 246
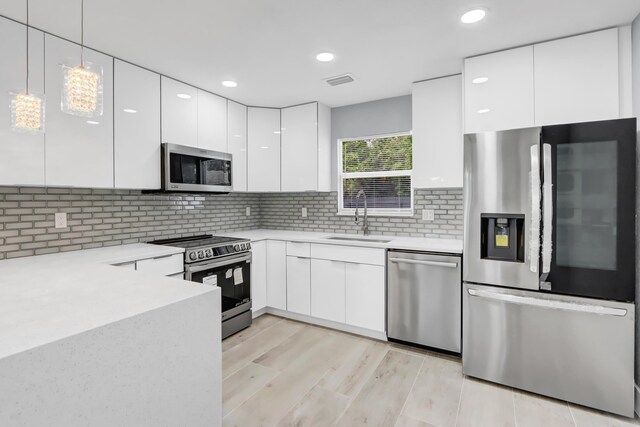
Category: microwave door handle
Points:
column 534, row 180
column 547, row 210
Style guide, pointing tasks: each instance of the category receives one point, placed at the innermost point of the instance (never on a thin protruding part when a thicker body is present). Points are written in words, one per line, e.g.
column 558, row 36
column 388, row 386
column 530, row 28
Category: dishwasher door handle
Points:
column 431, row 263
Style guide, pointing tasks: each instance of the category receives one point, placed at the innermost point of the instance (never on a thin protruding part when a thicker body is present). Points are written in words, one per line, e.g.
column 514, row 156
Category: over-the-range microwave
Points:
column 194, row 169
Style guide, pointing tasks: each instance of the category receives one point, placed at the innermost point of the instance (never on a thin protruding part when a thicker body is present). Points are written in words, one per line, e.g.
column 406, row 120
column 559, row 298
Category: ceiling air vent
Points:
column 340, row 80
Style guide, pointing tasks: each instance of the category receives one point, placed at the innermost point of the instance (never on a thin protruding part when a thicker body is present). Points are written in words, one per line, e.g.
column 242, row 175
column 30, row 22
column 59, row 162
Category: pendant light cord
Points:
column 27, row 82
column 81, row 32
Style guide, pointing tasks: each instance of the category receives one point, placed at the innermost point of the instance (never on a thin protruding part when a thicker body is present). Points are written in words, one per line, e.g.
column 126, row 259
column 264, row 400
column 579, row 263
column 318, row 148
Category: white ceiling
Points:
column 269, row 46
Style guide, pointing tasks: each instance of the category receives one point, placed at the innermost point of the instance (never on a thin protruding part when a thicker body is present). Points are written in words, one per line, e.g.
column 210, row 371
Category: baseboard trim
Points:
column 258, row 313
column 637, row 394
column 326, row 323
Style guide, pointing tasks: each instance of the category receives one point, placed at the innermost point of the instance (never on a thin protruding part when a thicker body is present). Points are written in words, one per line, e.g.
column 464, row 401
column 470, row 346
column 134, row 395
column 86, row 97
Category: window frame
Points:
column 381, row 212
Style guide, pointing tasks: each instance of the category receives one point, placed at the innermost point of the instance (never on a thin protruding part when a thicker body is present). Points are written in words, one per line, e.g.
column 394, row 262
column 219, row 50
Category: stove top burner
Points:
column 206, row 246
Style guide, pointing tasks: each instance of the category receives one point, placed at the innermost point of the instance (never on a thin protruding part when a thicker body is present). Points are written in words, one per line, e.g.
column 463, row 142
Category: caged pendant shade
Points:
column 82, row 85
column 27, row 108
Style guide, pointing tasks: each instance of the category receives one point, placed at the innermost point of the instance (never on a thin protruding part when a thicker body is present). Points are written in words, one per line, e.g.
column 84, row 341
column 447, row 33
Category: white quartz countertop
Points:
column 50, row 297
column 403, row 243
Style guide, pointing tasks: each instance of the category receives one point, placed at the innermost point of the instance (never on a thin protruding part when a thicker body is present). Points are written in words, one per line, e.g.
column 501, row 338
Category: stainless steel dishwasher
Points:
column 424, row 300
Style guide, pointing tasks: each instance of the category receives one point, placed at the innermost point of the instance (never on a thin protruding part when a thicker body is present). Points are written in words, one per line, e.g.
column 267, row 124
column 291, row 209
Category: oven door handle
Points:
column 220, row 263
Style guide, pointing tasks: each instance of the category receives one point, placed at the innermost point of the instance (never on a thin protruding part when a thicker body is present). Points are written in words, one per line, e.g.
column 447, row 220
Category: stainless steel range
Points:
column 224, row 262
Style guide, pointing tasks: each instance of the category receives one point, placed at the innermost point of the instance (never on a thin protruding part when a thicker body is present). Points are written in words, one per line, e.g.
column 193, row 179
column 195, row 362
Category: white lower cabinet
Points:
column 328, row 290
column 164, row 265
column 277, row 274
column 365, row 296
column 259, row 275
column 299, row 285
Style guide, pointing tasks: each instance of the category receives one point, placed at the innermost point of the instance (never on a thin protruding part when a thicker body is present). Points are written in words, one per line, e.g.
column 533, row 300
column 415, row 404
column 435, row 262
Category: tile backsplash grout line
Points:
column 108, row 217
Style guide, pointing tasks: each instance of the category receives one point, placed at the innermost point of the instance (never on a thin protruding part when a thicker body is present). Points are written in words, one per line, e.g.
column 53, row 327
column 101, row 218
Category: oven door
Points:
column 233, row 275
column 195, row 169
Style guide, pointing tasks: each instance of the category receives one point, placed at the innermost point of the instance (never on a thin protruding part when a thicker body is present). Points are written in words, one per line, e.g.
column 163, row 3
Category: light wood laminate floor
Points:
column 284, row 373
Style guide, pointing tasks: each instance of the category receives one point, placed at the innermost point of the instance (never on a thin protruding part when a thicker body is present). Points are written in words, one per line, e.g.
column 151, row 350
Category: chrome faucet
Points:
column 365, row 222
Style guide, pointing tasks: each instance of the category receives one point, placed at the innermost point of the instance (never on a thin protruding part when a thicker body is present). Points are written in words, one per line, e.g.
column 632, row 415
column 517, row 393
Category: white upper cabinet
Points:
column 437, row 133
column 237, row 144
column 179, row 113
column 299, row 141
column 212, row 122
column 576, row 78
column 136, row 127
column 263, row 139
column 498, row 90
column 79, row 150
column 305, row 142
column 21, row 154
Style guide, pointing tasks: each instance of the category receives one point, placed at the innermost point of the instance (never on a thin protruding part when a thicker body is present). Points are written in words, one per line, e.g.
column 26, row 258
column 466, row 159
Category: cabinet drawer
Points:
column 165, row 266
column 299, row 249
column 352, row 254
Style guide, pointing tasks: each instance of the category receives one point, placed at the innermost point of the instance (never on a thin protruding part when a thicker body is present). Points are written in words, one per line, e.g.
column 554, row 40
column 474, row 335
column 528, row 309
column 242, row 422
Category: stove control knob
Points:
column 248, row 246
column 236, row 248
column 208, row 253
column 200, row 254
column 193, row 256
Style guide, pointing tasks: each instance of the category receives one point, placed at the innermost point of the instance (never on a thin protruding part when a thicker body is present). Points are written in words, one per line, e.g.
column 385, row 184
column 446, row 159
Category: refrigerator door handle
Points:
column 549, row 304
column 534, row 178
column 547, row 209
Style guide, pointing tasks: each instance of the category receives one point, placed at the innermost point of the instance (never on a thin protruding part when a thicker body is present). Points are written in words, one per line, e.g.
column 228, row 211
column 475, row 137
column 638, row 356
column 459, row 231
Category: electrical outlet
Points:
column 428, row 215
column 304, row 212
column 248, row 211
column 61, row 220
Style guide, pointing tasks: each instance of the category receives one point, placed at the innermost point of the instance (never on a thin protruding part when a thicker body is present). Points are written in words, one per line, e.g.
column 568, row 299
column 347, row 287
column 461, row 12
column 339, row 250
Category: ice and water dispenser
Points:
column 502, row 237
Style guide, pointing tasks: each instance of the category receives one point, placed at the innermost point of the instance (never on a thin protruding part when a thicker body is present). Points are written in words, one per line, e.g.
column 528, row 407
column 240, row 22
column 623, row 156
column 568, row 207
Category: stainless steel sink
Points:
column 358, row 239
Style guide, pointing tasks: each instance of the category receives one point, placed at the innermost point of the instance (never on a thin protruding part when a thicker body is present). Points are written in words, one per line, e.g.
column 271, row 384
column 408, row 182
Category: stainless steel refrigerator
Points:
column 549, row 271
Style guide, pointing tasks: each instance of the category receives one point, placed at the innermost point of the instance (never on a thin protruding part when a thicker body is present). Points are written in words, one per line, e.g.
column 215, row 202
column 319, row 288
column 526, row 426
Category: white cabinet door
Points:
column 212, row 121
column 437, row 133
column 324, row 148
column 264, row 149
column 576, row 78
column 179, row 113
column 258, row 275
column 299, row 285
column 79, row 150
column 136, row 98
column 299, row 142
column 328, row 290
column 237, row 144
column 505, row 100
column 21, row 154
column 277, row 274
column 365, row 296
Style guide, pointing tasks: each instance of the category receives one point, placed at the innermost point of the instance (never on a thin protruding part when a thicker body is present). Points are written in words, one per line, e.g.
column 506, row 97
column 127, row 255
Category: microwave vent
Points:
column 340, row 80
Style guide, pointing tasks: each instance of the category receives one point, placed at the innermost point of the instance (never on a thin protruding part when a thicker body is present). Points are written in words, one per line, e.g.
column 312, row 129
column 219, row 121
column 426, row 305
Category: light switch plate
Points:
column 428, row 215
column 304, row 212
column 248, row 211
column 61, row 219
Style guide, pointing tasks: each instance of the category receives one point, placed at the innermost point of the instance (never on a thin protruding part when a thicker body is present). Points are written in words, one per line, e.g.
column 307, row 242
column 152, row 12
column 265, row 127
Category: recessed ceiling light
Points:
column 325, row 57
column 229, row 83
column 129, row 110
column 483, row 110
column 237, row 135
column 473, row 16
column 184, row 96
column 479, row 80
column 277, row 132
column 264, row 147
column 93, row 122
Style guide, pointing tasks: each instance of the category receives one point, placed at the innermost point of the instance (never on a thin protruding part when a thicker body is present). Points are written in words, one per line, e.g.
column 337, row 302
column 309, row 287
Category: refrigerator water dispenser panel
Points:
column 502, row 237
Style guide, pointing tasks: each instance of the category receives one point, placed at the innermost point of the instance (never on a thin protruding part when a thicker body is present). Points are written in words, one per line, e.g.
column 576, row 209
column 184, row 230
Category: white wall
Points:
column 379, row 117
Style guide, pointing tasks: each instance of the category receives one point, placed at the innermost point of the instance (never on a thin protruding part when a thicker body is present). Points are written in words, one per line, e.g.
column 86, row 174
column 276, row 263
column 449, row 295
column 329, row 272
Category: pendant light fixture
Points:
column 82, row 84
column 27, row 108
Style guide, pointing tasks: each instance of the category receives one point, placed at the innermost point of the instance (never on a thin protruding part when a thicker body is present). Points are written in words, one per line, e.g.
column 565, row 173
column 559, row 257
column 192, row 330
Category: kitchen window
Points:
column 382, row 167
